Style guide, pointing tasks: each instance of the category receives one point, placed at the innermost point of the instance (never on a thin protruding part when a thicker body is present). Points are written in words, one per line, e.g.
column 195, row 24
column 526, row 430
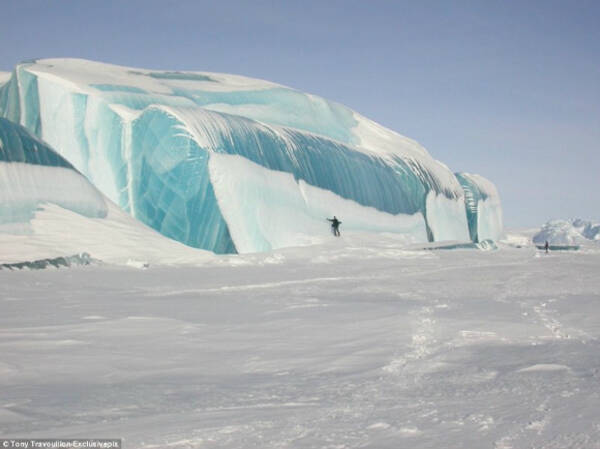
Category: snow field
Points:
column 356, row 342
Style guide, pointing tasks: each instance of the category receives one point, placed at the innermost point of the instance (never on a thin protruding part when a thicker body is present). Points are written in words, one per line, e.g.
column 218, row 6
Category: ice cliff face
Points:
column 32, row 174
column 228, row 163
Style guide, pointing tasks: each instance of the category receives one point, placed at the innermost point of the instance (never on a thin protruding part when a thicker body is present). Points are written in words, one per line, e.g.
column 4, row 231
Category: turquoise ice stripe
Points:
column 21, row 88
column 107, row 134
column 79, row 102
column 485, row 245
column 30, row 115
column 10, row 104
column 18, row 145
column 178, row 76
column 465, row 180
column 473, row 194
column 118, row 88
column 185, row 76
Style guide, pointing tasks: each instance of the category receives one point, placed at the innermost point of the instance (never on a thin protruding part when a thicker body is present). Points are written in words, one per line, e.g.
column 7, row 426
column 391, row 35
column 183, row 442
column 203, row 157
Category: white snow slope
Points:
column 355, row 343
column 117, row 238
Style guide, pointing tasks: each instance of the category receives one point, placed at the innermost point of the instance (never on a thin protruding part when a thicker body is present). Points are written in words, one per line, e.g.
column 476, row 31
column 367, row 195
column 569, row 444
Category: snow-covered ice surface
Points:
column 4, row 77
column 567, row 232
column 588, row 229
column 117, row 239
column 356, row 342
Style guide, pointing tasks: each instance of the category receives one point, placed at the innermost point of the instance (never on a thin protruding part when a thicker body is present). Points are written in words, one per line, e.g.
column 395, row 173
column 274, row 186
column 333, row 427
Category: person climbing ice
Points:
column 335, row 225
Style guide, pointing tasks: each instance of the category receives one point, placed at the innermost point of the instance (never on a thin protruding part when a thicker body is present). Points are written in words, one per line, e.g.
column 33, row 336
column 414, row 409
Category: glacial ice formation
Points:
column 270, row 209
column 567, row 232
column 588, row 229
column 31, row 174
column 49, row 211
column 228, row 163
column 482, row 202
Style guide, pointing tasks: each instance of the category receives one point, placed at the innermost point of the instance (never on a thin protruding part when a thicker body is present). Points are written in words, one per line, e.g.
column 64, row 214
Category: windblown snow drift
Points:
column 228, row 163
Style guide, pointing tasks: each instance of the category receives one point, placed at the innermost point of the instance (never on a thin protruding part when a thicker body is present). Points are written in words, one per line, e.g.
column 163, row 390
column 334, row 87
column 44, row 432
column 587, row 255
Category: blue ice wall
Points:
column 171, row 146
column 171, row 189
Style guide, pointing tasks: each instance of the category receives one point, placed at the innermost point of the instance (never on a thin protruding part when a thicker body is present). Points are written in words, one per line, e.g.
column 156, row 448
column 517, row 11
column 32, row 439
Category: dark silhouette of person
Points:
column 546, row 246
column 335, row 225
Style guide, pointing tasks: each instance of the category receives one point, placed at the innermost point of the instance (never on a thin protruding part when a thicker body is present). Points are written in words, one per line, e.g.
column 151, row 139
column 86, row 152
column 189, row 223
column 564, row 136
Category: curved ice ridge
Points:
column 146, row 140
column 32, row 174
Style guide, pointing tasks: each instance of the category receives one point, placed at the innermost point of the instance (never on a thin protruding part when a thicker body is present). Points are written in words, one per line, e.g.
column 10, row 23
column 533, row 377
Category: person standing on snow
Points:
column 335, row 225
column 546, row 246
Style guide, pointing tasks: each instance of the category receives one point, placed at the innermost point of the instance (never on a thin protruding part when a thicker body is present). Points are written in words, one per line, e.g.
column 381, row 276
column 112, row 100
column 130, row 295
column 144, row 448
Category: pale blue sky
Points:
column 506, row 89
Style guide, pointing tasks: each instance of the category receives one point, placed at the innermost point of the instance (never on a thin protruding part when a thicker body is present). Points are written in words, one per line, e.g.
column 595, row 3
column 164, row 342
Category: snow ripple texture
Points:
column 155, row 143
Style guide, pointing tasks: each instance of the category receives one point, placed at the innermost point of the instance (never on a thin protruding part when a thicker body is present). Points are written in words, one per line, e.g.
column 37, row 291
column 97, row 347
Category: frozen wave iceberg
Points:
column 152, row 142
column 170, row 143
